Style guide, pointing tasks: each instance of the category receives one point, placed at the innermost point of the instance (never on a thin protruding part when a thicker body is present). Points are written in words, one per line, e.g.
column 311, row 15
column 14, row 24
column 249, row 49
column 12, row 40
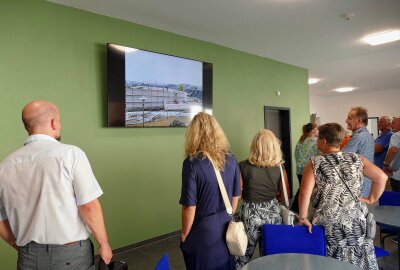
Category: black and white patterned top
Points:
column 337, row 208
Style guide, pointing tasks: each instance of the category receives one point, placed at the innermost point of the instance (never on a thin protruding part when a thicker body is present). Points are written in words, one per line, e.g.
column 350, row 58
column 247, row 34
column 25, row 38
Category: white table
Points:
column 388, row 215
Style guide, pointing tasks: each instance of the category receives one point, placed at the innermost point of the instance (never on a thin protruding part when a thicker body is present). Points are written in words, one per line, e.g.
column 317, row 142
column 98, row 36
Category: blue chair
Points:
column 163, row 264
column 393, row 199
column 381, row 252
column 278, row 239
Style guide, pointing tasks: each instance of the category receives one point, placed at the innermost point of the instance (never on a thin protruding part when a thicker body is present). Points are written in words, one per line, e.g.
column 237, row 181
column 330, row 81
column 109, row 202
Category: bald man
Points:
column 49, row 198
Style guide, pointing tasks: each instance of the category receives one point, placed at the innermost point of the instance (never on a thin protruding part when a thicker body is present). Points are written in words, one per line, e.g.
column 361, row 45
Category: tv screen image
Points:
column 148, row 89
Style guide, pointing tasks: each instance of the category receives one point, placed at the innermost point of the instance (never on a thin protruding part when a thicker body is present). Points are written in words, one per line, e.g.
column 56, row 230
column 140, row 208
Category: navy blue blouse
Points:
column 200, row 186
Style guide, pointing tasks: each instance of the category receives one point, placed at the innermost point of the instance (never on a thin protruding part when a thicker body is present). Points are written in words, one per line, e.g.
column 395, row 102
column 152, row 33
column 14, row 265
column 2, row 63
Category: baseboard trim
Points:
column 146, row 242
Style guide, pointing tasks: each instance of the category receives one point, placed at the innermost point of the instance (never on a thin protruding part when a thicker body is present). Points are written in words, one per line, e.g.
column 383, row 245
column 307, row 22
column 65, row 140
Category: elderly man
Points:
column 361, row 142
column 49, row 198
column 382, row 141
column 393, row 149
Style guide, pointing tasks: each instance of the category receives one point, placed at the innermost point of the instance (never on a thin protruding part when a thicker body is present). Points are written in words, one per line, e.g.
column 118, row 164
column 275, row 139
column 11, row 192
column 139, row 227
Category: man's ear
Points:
column 53, row 124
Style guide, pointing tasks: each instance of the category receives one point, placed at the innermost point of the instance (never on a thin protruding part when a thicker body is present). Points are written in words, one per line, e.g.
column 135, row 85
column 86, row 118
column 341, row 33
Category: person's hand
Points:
column 388, row 170
column 183, row 238
column 105, row 252
column 14, row 245
column 306, row 223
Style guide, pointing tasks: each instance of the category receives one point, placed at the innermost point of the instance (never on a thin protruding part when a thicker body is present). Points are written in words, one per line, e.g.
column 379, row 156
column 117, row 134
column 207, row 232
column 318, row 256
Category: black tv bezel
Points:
column 116, row 81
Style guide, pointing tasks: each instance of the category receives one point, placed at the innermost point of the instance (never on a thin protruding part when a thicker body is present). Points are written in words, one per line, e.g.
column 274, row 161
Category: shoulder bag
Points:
column 287, row 215
column 236, row 237
column 370, row 220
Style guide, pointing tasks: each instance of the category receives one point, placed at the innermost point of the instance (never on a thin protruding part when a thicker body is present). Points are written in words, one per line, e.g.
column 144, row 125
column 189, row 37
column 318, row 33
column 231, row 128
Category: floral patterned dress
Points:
column 343, row 217
column 304, row 152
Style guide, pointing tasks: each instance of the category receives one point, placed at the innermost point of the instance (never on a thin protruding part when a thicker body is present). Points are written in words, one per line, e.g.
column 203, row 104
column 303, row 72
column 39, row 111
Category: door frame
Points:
column 288, row 162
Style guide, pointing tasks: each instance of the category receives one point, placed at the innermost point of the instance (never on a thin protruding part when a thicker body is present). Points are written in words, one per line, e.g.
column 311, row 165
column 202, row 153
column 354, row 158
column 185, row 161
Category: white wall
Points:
column 335, row 109
column 318, row 105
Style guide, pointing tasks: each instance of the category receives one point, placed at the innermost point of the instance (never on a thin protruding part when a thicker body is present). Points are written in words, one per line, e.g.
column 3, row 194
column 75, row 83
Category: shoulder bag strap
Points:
column 284, row 187
column 222, row 188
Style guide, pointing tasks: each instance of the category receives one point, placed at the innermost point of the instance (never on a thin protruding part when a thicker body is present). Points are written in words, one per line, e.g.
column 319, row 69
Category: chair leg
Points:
column 260, row 247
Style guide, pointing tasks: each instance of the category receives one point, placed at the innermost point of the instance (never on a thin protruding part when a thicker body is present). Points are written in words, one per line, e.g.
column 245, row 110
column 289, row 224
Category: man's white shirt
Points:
column 42, row 185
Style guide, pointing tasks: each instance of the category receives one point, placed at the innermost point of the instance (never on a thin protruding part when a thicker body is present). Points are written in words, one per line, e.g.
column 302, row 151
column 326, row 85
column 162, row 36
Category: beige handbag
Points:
column 236, row 237
column 287, row 215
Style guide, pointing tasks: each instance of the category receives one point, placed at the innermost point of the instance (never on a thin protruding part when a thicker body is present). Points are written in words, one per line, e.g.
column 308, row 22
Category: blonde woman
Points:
column 204, row 217
column 261, row 178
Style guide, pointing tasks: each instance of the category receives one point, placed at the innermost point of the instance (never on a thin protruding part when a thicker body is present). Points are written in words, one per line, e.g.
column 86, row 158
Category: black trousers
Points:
column 395, row 184
column 295, row 204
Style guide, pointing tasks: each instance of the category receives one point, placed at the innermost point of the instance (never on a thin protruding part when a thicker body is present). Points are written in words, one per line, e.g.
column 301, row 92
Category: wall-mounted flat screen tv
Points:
column 149, row 89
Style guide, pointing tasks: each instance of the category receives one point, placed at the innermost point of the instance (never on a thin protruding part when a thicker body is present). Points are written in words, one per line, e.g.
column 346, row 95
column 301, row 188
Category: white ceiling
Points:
column 308, row 33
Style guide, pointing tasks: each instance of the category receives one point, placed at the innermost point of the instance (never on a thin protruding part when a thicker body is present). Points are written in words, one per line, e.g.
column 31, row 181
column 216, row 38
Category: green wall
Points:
column 57, row 53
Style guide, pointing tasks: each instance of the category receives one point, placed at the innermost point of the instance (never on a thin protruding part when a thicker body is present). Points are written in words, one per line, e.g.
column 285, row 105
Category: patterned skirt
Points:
column 346, row 239
column 254, row 215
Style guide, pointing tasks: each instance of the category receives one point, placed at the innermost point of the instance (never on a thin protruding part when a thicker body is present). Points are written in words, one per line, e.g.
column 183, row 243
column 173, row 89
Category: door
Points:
column 277, row 119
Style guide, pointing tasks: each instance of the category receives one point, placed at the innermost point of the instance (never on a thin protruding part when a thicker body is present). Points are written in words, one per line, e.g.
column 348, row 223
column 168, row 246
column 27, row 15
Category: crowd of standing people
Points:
column 336, row 181
column 46, row 178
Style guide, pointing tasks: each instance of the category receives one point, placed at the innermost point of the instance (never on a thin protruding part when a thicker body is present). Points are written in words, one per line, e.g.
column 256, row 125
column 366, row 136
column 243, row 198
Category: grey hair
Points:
column 388, row 119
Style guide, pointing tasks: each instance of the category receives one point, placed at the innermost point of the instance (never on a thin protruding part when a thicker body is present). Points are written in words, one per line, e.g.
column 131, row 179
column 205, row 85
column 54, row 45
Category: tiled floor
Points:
column 146, row 257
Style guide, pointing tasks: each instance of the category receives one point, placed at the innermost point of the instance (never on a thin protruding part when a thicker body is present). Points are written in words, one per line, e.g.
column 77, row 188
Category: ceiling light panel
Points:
column 313, row 80
column 382, row 37
column 344, row 89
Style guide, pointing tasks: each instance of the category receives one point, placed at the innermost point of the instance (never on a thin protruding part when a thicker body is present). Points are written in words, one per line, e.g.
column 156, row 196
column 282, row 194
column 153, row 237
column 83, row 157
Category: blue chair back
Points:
column 278, row 239
column 163, row 264
column 390, row 198
column 379, row 252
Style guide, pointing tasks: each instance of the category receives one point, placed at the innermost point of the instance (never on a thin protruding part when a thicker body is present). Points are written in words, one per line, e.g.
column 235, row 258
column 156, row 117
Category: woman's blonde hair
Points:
column 205, row 137
column 265, row 149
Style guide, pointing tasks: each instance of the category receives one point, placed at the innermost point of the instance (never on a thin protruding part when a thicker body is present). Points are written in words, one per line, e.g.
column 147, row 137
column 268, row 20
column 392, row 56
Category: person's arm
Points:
column 306, row 188
column 241, row 186
column 237, row 188
column 281, row 195
column 297, row 153
column 390, row 155
column 383, row 143
column 92, row 215
column 7, row 234
column 187, row 220
column 378, row 178
column 235, row 201
column 378, row 148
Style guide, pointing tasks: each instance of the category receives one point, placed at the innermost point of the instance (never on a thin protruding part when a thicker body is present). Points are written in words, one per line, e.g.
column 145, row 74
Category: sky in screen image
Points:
column 149, row 67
